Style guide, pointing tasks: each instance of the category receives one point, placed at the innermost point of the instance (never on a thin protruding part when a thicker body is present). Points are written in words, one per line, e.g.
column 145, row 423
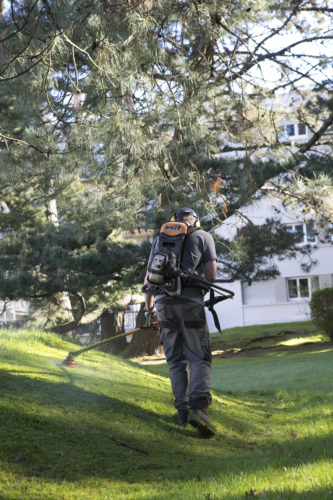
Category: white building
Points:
column 285, row 298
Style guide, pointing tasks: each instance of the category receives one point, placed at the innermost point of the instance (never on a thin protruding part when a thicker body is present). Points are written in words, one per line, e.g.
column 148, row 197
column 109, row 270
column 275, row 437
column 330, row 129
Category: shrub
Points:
column 322, row 310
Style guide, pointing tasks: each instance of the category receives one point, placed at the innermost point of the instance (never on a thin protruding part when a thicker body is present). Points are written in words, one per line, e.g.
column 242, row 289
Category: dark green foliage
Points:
column 113, row 114
column 39, row 262
column 322, row 310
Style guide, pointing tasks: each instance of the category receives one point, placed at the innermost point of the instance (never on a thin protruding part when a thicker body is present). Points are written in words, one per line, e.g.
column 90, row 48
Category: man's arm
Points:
column 149, row 299
column 211, row 270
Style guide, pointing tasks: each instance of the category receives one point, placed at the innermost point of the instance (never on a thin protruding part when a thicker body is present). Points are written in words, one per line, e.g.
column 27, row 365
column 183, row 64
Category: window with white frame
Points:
column 130, row 316
column 302, row 288
column 293, row 130
column 330, row 231
column 307, row 230
column 301, row 128
column 290, row 129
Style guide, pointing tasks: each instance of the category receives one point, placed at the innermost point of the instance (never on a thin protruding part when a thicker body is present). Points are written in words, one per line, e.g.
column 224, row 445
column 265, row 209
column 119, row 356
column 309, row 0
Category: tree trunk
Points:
column 112, row 323
column 143, row 343
column 2, row 8
column 147, row 343
column 64, row 316
column 62, row 299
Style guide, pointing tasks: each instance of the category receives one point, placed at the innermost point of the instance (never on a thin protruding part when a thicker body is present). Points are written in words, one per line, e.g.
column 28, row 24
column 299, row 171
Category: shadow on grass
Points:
column 62, row 432
column 290, row 494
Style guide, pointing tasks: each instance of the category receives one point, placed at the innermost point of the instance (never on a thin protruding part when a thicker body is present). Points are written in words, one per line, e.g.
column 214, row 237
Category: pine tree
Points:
column 116, row 112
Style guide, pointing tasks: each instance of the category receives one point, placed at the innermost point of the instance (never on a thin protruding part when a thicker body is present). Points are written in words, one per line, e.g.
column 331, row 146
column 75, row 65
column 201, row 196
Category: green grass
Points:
column 106, row 429
column 266, row 335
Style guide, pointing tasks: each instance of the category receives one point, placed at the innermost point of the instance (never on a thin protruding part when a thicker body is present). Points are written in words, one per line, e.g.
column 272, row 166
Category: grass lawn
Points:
column 106, row 430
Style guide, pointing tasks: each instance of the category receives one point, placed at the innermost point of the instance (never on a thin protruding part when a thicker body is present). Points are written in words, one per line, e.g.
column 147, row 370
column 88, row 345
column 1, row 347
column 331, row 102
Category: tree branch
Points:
column 317, row 135
column 6, row 138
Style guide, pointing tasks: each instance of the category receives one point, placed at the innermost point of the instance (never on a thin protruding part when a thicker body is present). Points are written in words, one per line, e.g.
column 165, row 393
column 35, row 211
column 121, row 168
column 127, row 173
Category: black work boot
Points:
column 182, row 417
column 200, row 420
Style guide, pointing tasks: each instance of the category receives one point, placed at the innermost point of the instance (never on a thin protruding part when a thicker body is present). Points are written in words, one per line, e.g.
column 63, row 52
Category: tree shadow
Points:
column 47, row 446
column 59, row 437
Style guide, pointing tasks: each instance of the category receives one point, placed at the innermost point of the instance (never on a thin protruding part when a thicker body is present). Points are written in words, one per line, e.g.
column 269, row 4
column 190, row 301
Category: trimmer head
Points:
column 69, row 362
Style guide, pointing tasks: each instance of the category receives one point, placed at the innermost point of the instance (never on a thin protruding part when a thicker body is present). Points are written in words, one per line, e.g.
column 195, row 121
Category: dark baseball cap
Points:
column 182, row 212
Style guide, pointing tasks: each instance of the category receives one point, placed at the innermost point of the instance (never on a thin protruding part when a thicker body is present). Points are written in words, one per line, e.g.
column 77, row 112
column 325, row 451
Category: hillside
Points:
column 106, row 428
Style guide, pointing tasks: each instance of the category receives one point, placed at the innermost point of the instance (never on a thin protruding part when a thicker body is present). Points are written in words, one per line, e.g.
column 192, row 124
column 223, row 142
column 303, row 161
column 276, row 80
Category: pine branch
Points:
column 317, row 135
column 6, row 138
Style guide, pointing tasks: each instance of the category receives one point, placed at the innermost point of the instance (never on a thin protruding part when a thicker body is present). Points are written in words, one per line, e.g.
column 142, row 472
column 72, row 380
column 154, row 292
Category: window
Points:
column 298, row 288
column 130, row 316
column 302, row 288
column 301, row 129
column 310, row 232
column 293, row 129
column 330, row 231
column 306, row 230
column 296, row 228
column 290, row 129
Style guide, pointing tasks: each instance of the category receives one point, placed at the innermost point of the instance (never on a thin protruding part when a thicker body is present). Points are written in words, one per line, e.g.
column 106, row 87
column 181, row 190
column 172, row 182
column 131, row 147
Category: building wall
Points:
column 263, row 303
column 276, row 313
column 268, row 301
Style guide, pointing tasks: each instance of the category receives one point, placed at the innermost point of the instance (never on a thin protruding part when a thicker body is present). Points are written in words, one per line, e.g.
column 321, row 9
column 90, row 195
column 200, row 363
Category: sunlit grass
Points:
column 302, row 340
column 105, row 429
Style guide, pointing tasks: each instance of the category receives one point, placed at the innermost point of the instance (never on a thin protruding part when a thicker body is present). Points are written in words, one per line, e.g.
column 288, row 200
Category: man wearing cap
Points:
column 183, row 327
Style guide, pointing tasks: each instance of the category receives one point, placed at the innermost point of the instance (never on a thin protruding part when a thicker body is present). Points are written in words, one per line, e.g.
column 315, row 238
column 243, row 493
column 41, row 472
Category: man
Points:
column 183, row 327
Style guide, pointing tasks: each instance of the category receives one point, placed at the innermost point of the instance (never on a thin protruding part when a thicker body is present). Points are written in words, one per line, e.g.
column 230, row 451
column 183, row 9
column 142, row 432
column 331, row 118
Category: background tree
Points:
column 119, row 111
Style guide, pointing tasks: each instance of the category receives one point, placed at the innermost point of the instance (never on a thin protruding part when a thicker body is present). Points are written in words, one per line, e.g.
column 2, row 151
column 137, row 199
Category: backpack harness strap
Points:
column 223, row 294
column 212, row 301
column 166, row 275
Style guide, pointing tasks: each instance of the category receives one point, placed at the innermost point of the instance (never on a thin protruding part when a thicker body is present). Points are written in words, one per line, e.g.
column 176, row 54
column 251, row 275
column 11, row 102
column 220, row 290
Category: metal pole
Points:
column 73, row 354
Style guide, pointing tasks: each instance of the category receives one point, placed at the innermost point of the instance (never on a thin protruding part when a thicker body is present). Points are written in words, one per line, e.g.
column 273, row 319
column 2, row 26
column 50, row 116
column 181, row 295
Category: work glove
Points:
column 149, row 316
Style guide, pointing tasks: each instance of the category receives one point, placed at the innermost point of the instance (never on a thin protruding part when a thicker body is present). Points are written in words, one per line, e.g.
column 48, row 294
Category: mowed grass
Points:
column 105, row 429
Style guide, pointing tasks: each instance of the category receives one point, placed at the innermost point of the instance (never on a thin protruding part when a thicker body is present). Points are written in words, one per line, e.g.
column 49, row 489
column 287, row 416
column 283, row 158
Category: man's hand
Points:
column 149, row 316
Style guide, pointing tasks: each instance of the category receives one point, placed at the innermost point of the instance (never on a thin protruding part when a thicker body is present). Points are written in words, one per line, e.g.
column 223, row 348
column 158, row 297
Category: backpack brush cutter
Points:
column 212, row 288
column 69, row 361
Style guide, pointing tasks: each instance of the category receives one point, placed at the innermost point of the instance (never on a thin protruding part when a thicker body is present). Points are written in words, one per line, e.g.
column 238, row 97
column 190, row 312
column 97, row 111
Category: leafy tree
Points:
column 321, row 306
column 116, row 112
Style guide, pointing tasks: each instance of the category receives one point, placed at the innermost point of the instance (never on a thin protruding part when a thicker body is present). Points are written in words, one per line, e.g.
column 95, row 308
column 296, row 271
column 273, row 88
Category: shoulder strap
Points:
column 192, row 229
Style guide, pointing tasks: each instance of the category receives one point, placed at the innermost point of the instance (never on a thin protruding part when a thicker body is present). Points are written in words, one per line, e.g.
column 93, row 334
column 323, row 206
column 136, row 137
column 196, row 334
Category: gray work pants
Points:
column 185, row 338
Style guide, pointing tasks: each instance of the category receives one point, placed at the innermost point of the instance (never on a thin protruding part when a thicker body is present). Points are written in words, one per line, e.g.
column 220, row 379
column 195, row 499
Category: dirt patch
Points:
column 282, row 333
column 259, row 351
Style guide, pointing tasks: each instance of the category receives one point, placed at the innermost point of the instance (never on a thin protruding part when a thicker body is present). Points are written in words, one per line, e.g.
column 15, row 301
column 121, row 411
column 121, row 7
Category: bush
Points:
column 322, row 310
